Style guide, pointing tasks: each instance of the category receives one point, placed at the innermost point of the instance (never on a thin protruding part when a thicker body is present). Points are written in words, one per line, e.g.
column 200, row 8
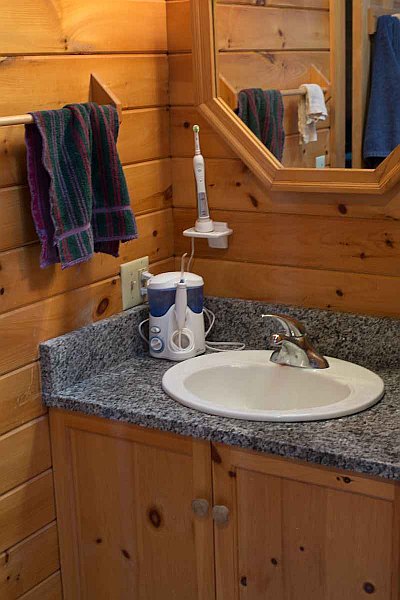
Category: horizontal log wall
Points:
column 272, row 45
column 47, row 52
column 328, row 251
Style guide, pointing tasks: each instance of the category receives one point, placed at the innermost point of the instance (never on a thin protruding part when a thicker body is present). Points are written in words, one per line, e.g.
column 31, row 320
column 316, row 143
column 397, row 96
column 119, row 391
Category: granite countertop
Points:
column 103, row 370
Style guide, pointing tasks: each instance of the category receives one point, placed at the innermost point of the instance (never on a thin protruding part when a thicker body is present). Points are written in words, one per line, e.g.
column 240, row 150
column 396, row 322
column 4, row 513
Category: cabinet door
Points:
column 124, row 498
column 298, row 532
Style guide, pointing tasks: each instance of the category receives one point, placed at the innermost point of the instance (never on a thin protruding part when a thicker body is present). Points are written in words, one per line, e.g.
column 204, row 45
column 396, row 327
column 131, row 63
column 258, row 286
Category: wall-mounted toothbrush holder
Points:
column 218, row 238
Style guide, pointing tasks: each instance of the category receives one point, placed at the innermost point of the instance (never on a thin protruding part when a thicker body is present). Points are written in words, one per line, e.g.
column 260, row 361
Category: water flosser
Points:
column 181, row 302
column 203, row 224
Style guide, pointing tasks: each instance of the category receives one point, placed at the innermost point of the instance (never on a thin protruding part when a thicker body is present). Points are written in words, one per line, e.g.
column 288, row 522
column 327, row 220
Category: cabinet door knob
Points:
column 220, row 514
column 200, row 507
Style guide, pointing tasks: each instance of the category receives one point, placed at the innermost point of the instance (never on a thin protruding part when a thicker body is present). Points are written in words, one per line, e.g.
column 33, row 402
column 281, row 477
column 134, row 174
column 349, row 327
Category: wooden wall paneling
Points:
column 271, row 28
column 32, row 27
column 20, row 397
column 318, row 288
column 16, row 224
column 181, row 79
column 179, row 32
column 144, row 135
column 232, row 186
column 181, row 131
column 178, row 19
column 49, row 589
column 23, row 281
column 150, row 185
column 138, row 80
column 26, row 509
column 28, row 563
column 24, row 453
column 295, row 153
column 351, row 245
column 12, row 154
column 23, row 329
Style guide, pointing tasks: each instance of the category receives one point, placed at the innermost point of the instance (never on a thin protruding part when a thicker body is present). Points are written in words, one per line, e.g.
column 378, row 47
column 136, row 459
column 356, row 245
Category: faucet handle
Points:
column 291, row 326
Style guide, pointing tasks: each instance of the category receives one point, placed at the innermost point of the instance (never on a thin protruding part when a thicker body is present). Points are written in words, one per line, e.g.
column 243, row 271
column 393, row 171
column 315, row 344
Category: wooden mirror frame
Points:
column 268, row 170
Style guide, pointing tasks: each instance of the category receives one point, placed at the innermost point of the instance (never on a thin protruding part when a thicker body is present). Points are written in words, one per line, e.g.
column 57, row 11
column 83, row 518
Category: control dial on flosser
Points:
column 156, row 344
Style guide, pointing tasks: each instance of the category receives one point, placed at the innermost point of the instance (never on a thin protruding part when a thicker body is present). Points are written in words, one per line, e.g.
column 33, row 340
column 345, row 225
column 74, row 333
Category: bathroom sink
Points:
column 247, row 385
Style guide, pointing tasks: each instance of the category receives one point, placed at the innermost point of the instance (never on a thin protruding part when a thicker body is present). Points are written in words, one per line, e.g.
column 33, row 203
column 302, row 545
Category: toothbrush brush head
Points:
column 196, row 128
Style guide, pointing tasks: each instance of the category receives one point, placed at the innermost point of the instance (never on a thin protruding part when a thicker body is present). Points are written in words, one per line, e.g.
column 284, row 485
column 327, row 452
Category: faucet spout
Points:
column 292, row 346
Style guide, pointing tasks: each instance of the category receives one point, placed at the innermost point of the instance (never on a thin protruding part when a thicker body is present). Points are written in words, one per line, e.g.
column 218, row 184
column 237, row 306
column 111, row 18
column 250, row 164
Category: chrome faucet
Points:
column 292, row 346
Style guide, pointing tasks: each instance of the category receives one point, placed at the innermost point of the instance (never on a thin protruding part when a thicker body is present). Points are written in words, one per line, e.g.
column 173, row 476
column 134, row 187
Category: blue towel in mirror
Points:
column 382, row 129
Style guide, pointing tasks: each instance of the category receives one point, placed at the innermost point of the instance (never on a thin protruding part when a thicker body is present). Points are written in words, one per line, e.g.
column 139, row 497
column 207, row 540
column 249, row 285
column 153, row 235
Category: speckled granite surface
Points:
column 103, row 370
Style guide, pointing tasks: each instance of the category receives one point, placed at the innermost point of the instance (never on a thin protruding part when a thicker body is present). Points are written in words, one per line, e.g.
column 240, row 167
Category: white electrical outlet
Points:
column 320, row 162
column 131, row 281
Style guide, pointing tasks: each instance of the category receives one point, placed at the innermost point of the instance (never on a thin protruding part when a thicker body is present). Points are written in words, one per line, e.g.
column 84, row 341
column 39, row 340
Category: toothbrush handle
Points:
column 181, row 305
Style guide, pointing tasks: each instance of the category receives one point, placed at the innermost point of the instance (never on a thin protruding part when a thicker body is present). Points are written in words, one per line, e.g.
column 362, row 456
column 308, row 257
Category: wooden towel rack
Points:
column 229, row 94
column 98, row 92
column 375, row 13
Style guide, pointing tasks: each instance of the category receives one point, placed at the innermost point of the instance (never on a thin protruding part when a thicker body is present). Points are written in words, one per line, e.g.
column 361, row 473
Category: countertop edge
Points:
column 274, row 448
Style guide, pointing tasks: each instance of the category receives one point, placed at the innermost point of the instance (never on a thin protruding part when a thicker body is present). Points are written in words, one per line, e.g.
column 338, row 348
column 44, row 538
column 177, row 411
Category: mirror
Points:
column 252, row 59
column 265, row 51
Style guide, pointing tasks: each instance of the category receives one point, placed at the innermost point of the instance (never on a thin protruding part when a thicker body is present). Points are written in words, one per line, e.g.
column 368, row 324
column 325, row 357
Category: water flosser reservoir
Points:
column 167, row 338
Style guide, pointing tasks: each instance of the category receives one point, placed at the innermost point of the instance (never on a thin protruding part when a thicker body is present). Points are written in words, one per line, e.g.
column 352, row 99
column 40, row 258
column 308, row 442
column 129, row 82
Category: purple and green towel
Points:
column 80, row 201
column 262, row 112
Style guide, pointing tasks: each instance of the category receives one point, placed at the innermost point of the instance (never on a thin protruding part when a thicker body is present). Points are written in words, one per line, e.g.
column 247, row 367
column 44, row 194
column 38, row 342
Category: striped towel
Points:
column 262, row 112
column 80, row 201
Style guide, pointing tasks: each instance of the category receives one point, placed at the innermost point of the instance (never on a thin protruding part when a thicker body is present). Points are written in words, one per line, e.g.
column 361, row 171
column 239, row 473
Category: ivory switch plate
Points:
column 131, row 281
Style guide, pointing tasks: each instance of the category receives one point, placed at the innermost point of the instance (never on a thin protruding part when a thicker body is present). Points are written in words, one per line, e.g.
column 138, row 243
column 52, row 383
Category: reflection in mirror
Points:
column 315, row 80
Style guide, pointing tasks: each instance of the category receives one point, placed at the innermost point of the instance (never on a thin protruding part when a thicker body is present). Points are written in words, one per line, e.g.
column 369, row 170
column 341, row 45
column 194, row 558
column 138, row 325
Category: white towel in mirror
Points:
column 312, row 108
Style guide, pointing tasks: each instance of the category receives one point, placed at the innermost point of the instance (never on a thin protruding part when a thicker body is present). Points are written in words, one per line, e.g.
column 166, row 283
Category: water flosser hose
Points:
column 203, row 224
column 181, row 302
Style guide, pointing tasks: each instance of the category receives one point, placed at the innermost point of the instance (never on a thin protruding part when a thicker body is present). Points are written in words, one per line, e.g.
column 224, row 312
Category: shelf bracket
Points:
column 100, row 92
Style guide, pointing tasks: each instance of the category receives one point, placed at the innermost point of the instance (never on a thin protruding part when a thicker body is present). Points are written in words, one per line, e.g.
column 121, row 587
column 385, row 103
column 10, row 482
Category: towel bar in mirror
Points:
column 238, row 45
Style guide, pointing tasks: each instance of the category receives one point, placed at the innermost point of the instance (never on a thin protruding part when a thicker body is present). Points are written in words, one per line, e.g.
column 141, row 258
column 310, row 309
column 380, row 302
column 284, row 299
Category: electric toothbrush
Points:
column 203, row 224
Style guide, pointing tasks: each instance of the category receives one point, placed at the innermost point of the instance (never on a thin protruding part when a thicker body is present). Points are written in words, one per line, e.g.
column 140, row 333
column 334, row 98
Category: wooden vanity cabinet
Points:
column 124, row 505
column 302, row 532
column 262, row 528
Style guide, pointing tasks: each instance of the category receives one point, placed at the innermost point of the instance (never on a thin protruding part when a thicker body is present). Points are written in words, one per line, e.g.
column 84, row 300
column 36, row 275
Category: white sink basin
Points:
column 247, row 385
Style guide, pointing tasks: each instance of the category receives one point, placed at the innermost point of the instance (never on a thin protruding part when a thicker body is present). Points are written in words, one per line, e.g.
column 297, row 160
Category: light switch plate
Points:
column 320, row 162
column 131, row 281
